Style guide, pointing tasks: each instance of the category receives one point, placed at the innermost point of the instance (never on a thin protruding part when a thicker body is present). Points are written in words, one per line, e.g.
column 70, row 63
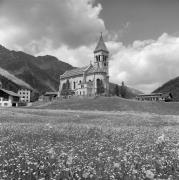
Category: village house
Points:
column 8, row 98
column 24, row 95
column 155, row 97
column 90, row 80
column 50, row 96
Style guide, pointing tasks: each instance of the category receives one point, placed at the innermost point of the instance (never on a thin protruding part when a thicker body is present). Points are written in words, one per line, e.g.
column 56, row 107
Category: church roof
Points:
column 95, row 69
column 101, row 45
column 79, row 71
column 74, row 72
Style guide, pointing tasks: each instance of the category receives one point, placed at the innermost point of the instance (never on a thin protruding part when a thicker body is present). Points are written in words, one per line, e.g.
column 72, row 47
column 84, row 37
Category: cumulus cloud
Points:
column 147, row 64
column 144, row 65
column 33, row 24
column 68, row 29
column 80, row 56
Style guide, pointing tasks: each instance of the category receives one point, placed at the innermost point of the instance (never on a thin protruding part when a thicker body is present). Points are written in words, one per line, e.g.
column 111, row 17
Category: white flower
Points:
column 161, row 139
column 149, row 174
column 48, row 126
column 116, row 165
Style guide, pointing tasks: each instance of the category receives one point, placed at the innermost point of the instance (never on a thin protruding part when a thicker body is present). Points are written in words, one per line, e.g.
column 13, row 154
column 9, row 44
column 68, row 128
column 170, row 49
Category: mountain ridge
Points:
column 41, row 73
column 171, row 86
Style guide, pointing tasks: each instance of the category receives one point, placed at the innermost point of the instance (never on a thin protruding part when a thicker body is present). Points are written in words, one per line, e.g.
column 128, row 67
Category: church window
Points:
column 105, row 58
column 98, row 58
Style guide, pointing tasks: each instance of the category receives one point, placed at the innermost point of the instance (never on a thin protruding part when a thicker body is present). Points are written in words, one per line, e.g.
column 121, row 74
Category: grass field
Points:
column 113, row 104
column 74, row 144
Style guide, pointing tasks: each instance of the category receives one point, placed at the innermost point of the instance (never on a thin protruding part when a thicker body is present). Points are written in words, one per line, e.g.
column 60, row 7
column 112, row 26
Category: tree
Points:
column 66, row 89
column 123, row 90
column 117, row 90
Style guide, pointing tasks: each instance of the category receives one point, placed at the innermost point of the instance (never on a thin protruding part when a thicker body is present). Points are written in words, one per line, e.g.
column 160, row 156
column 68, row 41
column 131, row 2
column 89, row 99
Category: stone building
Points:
column 90, row 80
column 24, row 95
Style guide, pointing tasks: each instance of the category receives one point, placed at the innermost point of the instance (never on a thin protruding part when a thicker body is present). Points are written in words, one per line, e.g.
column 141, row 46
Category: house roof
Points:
column 51, row 93
column 10, row 92
column 101, row 45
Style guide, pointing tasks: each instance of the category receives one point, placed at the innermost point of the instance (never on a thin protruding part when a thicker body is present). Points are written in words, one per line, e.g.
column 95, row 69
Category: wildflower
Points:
column 149, row 174
column 116, row 165
column 161, row 139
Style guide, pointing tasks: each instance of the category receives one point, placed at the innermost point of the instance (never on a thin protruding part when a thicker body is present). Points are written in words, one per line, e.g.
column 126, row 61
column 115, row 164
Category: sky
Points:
column 141, row 35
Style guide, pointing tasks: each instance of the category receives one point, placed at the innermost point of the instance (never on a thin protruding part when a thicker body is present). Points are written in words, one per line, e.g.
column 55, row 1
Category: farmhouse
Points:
column 155, row 97
column 49, row 96
column 92, row 79
column 8, row 98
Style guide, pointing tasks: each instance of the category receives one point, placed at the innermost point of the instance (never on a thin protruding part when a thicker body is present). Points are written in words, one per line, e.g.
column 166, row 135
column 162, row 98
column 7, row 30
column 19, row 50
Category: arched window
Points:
column 74, row 85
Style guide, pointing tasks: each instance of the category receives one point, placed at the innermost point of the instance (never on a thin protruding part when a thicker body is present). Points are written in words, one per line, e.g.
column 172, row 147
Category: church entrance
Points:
column 100, row 86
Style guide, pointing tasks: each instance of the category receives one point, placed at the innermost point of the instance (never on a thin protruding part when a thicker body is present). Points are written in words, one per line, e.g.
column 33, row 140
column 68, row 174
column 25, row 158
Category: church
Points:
column 89, row 80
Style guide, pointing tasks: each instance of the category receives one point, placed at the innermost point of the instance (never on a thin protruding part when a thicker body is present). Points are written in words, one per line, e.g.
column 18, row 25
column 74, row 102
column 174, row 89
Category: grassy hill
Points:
column 112, row 104
column 171, row 86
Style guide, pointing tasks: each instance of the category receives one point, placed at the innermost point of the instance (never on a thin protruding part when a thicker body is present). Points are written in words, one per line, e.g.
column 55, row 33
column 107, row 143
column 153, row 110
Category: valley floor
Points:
column 81, row 144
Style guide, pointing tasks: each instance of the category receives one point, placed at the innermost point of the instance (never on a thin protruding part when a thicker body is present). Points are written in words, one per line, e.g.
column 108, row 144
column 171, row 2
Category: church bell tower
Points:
column 101, row 54
column 101, row 64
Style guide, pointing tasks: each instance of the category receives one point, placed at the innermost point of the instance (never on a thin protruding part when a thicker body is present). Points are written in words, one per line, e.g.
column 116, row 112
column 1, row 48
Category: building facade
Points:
column 89, row 80
column 8, row 98
column 24, row 95
column 155, row 97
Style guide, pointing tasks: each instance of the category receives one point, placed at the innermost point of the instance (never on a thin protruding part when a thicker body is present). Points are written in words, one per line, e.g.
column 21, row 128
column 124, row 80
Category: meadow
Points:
column 44, row 144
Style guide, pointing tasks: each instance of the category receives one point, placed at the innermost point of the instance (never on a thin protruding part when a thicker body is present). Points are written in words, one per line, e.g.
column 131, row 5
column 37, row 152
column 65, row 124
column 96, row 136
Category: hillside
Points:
column 130, row 92
column 171, row 86
column 112, row 104
column 38, row 73
column 41, row 73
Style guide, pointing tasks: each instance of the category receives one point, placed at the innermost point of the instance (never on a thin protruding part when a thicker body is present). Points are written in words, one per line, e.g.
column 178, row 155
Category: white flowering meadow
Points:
column 74, row 151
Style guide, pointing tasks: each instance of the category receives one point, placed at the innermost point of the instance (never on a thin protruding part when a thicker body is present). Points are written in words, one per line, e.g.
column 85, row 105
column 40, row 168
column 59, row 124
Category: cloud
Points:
column 144, row 65
column 33, row 24
column 80, row 56
column 68, row 29
column 147, row 64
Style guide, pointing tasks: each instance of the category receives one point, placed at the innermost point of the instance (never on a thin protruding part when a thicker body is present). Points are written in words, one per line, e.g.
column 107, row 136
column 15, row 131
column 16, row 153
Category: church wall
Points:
column 85, row 87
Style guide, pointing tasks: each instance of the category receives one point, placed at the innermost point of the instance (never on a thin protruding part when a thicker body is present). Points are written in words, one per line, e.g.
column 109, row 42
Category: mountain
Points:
column 172, row 86
column 39, row 73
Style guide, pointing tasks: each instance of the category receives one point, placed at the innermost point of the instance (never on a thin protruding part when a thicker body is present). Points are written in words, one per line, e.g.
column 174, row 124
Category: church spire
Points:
column 101, row 45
